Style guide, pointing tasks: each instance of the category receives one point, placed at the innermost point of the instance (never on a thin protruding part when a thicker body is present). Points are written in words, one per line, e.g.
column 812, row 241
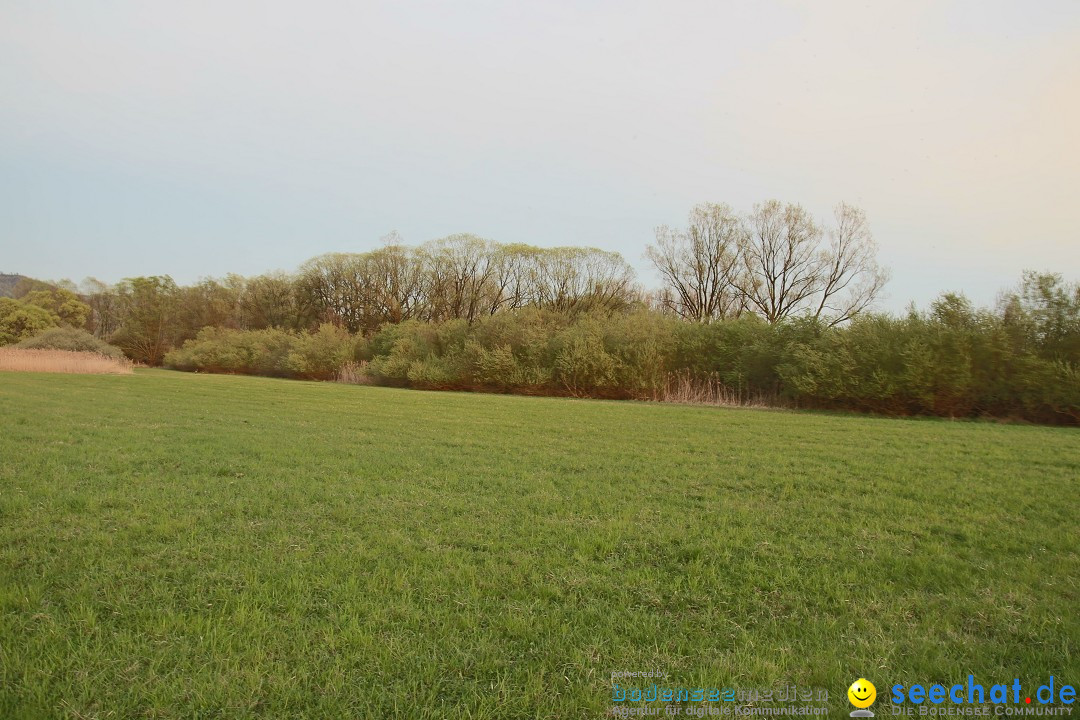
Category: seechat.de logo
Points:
column 862, row 695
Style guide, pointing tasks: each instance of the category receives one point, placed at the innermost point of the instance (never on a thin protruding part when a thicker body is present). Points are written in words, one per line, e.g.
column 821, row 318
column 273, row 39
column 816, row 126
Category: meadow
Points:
column 178, row 545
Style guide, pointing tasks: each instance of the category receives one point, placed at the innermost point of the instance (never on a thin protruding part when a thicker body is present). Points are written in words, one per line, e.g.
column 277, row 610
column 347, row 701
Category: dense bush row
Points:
column 1021, row 360
column 530, row 350
column 317, row 355
column 953, row 362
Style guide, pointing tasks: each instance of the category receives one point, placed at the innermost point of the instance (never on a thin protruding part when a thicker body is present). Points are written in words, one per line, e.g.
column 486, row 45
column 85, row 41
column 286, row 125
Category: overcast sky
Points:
column 197, row 139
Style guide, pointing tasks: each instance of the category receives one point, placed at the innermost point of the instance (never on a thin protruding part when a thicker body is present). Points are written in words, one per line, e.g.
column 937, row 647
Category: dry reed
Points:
column 685, row 388
column 353, row 373
column 62, row 361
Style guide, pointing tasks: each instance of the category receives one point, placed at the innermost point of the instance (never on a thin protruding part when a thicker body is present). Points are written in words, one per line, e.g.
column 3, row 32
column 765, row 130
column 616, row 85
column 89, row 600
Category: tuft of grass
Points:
column 62, row 361
column 178, row 545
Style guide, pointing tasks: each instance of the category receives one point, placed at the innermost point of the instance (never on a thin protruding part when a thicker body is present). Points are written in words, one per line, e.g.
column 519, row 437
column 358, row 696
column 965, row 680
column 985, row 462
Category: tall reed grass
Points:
column 686, row 388
column 354, row 373
column 62, row 361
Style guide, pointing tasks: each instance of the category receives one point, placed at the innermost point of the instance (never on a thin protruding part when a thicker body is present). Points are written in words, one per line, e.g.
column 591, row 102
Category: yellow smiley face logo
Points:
column 862, row 693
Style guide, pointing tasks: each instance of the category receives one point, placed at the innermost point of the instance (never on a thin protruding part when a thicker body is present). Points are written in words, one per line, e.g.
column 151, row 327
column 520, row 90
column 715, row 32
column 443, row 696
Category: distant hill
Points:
column 8, row 283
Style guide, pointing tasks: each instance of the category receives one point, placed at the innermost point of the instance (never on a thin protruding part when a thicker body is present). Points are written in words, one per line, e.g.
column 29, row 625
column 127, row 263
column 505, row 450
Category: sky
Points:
column 201, row 138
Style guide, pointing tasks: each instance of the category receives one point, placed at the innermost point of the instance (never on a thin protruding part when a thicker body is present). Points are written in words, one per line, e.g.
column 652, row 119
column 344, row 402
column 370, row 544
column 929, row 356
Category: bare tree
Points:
column 338, row 287
column 395, row 277
column 105, row 310
column 779, row 258
column 699, row 265
column 572, row 279
column 272, row 300
column 361, row 291
column 208, row 303
column 608, row 281
column 513, row 268
column 851, row 277
column 461, row 273
column 788, row 269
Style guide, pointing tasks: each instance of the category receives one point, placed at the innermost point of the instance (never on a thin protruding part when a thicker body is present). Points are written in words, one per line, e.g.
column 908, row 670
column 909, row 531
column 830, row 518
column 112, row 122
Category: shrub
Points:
column 582, row 366
column 275, row 353
column 70, row 338
column 321, row 354
column 641, row 344
column 60, row 302
column 20, row 321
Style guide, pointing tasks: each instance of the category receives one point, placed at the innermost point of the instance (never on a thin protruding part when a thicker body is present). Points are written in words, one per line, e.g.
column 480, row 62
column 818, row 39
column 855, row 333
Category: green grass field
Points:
column 176, row 545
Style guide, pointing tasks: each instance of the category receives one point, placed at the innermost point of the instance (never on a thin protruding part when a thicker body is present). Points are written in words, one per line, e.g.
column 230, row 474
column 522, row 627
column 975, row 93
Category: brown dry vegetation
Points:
column 685, row 388
column 62, row 361
column 354, row 373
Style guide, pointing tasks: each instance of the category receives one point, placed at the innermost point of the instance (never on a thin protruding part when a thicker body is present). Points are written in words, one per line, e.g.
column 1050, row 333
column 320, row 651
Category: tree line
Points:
column 772, row 303
column 458, row 277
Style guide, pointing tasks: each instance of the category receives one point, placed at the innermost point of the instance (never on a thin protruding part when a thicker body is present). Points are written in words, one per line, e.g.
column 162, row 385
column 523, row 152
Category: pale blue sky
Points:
column 200, row 138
